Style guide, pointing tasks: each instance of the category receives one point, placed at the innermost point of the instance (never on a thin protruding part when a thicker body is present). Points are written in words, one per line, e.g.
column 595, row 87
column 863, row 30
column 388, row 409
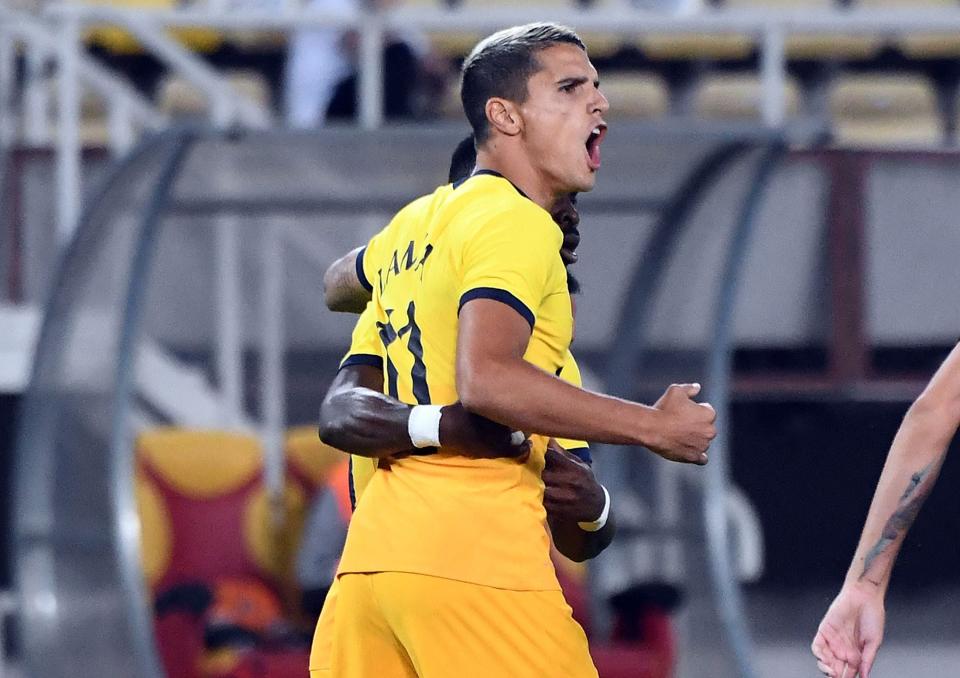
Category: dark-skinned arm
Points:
column 357, row 417
column 493, row 380
column 342, row 289
column 571, row 496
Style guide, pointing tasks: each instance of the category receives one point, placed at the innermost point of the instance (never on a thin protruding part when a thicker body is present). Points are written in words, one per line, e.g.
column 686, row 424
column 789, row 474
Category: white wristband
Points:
column 424, row 426
column 598, row 524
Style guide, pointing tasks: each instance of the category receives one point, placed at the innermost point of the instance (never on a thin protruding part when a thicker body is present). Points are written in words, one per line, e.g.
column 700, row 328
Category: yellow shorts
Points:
column 322, row 646
column 400, row 625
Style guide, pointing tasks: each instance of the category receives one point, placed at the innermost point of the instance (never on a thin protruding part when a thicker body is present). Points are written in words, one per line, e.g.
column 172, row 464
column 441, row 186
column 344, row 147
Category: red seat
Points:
column 207, row 527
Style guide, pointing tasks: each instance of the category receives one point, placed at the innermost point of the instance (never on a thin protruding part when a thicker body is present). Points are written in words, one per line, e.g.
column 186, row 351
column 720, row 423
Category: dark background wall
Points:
column 810, row 470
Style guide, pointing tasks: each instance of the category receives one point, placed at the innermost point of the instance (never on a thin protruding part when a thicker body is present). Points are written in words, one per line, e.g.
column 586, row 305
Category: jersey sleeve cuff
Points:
column 583, row 454
column 503, row 296
column 361, row 276
column 362, row 359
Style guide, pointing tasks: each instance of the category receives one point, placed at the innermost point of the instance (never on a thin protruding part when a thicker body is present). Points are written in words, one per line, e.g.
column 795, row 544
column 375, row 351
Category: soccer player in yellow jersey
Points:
column 357, row 416
column 446, row 567
column 352, row 421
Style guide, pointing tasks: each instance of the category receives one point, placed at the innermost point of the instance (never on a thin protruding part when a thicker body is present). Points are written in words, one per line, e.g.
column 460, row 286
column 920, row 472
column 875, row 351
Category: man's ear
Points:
column 504, row 116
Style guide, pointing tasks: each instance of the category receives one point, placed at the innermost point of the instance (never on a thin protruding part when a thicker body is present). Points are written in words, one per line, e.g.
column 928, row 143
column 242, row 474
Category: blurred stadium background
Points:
column 776, row 217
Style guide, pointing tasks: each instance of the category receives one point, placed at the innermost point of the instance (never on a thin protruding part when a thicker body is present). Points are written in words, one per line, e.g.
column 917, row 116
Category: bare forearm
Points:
column 909, row 474
column 357, row 417
column 524, row 397
column 578, row 544
column 365, row 422
column 342, row 290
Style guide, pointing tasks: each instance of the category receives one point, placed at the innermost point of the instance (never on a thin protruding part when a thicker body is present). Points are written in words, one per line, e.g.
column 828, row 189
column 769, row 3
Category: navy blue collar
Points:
column 493, row 173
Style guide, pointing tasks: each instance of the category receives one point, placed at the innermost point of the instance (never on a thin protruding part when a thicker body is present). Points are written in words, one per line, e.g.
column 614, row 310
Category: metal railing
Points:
column 770, row 28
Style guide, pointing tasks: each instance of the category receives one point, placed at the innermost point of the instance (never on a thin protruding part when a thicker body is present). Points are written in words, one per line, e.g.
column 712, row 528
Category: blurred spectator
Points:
column 321, row 72
column 323, row 537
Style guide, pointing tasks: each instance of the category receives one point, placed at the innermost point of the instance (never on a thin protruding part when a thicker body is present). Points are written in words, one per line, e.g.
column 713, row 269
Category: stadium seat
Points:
column 885, row 110
column 930, row 45
column 818, row 47
column 815, row 46
column 94, row 128
column 922, row 46
column 118, row 41
column 738, row 97
column 179, row 97
column 309, row 460
column 695, row 46
column 456, row 44
column 779, row 4
column 211, row 549
column 906, row 4
column 635, row 95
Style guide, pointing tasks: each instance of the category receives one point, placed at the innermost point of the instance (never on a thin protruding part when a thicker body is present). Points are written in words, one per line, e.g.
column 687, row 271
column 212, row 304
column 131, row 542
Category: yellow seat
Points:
column 257, row 41
column 635, row 95
column 179, row 97
column 310, row 457
column 779, row 4
column 118, row 41
column 885, row 110
column 738, row 97
column 457, row 43
column 93, row 127
column 905, row 4
column 930, row 45
column 815, row 46
column 833, row 46
column 692, row 46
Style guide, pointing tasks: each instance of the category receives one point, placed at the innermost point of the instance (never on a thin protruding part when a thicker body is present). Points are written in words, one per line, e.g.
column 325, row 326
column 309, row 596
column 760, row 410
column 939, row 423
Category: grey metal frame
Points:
column 126, row 516
column 35, row 531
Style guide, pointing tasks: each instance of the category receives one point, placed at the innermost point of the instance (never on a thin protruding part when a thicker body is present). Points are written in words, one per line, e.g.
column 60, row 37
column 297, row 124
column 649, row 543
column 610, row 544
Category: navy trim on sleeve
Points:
column 583, row 454
column 361, row 276
column 363, row 359
column 502, row 296
column 350, row 486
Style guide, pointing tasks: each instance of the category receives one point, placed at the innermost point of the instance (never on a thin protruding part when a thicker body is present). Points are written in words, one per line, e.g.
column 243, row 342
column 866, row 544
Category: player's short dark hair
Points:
column 463, row 160
column 500, row 65
column 573, row 285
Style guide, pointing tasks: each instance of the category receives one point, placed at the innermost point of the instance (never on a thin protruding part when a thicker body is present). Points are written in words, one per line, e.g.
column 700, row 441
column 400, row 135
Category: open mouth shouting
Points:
column 593, row 146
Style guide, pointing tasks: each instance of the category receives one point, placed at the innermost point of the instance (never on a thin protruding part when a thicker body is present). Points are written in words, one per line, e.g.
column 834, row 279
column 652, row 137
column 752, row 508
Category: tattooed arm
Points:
column 852, row 629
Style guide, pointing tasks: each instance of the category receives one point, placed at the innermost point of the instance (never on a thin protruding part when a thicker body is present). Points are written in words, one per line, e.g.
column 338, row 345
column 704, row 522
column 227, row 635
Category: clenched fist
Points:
column 686, row 427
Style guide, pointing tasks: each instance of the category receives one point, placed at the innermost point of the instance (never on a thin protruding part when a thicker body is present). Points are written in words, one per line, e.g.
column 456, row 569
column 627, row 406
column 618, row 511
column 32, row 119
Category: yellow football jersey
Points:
column 365, row 349
column 475, row 520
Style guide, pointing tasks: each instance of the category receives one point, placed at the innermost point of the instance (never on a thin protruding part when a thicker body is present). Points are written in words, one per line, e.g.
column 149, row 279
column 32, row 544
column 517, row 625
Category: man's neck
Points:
column 519, row 172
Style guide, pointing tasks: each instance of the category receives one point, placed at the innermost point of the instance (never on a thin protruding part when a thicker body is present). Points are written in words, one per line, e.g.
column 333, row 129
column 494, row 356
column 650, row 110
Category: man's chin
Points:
column 585, row 183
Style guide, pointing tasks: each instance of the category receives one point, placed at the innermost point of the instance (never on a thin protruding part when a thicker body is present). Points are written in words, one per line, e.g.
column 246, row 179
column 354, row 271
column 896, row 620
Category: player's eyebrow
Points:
column 576, row 81
column 566, row 82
